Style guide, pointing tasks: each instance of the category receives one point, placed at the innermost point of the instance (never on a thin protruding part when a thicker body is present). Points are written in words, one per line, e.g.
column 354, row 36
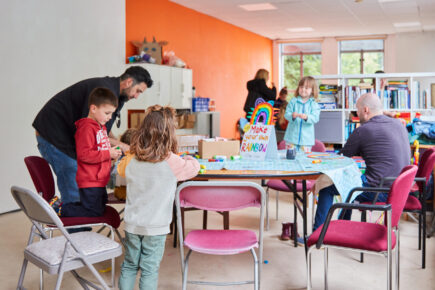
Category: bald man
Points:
column 382, row 142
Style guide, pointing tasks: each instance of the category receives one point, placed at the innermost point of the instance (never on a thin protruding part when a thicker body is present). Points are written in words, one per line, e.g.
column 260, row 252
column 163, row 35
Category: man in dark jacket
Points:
column 55, row 127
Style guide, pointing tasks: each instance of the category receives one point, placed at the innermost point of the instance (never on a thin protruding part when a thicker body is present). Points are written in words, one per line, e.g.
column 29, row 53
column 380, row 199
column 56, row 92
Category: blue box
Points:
column 200, row 104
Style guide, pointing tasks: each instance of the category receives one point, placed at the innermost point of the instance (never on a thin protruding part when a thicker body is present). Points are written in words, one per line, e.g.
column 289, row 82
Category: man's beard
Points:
column 123, row 96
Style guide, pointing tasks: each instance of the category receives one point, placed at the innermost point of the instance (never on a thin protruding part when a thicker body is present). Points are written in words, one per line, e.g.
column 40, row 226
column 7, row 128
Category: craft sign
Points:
column 259, row 142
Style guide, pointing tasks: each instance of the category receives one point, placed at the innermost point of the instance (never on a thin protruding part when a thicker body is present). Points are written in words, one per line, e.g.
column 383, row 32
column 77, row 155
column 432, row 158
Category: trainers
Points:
column 300, row 240
column 56, row 204
column 285, row 235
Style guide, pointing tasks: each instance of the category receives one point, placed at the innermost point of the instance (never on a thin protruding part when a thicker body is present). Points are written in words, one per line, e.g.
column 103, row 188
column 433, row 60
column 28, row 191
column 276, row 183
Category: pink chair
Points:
column 414, row 204
column 279, row 185
column 221, row 196
column 42, row 178
column 363, row 236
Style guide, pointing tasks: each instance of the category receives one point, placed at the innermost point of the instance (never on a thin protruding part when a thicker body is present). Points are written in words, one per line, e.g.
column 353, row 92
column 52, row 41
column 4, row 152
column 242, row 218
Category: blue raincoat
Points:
column 301, row 132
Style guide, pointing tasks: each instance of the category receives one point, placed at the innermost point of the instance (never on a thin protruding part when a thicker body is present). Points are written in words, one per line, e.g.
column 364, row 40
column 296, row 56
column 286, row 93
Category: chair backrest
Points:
column 426, row 165
column 318, row 146
column 220, row 195
column 42, row 176
column 35, row 207
column 281, row 145
column 399, row 192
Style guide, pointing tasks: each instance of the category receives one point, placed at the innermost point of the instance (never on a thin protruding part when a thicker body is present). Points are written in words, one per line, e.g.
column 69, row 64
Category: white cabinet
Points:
column 171, row 86
column 181, row 88
column 415, row 96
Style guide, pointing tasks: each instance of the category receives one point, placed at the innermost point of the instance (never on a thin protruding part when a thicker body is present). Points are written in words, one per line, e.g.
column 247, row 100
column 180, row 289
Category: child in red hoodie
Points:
column 94, row 155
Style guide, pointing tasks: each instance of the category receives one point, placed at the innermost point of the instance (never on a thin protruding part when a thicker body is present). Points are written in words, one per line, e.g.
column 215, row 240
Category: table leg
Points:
column 304, row 210
column 295, row 214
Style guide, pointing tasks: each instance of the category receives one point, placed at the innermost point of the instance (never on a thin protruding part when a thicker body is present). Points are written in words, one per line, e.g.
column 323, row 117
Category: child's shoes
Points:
column 56, row 204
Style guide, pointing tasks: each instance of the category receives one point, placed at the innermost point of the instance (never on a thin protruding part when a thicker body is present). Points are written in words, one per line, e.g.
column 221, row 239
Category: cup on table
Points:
column 291, row 153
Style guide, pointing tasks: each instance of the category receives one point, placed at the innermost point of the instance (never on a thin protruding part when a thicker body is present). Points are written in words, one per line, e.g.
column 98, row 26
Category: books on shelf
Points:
column 329, row 96
column 352, row 93
column 350, row 125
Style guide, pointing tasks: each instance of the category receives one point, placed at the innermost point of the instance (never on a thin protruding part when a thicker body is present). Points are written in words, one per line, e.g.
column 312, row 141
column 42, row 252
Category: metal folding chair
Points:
column 67, row 252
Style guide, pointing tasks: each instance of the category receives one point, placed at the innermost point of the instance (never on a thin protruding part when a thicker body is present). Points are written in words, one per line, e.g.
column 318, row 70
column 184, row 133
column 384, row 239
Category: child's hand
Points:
column 115, row 152
column 303, row 116
column 295, row 115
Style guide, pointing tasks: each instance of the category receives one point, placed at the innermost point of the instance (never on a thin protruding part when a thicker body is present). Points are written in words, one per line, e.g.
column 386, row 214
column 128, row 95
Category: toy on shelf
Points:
column 416, row 152
column 150, row 52
column 171, row 59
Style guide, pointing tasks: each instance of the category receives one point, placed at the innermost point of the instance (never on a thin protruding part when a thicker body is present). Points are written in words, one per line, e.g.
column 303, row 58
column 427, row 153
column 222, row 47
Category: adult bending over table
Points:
column 55, row 126
column 383, row 144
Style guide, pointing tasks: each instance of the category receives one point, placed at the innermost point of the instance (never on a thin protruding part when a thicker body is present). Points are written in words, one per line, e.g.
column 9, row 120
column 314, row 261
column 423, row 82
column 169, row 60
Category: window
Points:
column 361, row 57
column 299, row 60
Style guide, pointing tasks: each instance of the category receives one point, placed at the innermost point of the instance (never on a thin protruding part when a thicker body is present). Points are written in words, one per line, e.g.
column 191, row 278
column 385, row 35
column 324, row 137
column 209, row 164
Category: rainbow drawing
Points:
column 264, row 113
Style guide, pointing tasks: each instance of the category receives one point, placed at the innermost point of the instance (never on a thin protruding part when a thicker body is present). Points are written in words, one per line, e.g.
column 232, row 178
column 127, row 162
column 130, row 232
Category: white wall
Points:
column 414, row 52
column 48, row 45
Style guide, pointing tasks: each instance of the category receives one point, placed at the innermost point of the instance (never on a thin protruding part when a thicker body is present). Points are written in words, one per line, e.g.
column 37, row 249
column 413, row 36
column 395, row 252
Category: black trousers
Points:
column 92, row 203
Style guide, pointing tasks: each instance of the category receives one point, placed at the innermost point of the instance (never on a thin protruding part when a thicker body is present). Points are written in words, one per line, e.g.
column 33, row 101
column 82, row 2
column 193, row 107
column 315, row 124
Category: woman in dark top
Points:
column 258, row 91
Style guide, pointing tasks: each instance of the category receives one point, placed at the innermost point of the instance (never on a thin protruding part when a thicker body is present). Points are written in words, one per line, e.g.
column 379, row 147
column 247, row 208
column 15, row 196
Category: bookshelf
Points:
column 404, row 93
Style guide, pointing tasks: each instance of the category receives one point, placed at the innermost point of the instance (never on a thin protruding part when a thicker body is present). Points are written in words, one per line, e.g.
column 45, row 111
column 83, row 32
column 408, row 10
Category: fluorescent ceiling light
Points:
column 406, row 24
column 429, row 27
column 258, row 7
column 389, row 1
column 300, row 29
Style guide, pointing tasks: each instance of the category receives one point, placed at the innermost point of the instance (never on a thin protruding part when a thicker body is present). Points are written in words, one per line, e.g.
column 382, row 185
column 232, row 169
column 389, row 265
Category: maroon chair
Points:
column 363, row 236
column 414, row 204
column 42, row 178
column 279, row 185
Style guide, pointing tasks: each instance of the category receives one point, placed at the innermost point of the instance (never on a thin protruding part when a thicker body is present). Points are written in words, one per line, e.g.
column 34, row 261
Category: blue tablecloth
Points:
column 343, row 171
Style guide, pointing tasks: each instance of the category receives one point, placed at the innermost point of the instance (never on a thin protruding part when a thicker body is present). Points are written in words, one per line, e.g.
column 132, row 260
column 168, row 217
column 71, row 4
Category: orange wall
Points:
column 223, row 57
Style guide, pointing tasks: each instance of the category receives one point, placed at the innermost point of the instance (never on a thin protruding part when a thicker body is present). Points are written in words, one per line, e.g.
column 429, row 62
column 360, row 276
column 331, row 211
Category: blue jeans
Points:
column 326, row 197
column 141, row 253
column 64, row 167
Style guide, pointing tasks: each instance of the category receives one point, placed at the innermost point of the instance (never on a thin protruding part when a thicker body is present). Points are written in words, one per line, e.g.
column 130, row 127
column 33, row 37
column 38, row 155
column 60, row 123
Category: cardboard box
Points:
column 207, row 149
column 154, row 48
column 189, row 142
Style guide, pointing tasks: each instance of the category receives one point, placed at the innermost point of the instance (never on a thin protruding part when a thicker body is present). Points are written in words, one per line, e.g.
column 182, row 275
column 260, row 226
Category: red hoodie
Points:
column 93, row 156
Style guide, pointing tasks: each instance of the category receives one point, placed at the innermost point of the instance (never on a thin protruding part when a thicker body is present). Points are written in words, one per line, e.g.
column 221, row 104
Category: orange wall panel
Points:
column 223, row 57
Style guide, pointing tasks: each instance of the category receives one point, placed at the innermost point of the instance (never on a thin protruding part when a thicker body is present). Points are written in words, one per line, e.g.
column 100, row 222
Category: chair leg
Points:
column 22, row 273
column 419, row 230
column 423, row 253
column 267, row 209
column 204, row 219
column 363, row 219
column 41, row 279
column 186, row 266
column 59, row 280
column 309, row 286
column 277, row 203
column 256, row 280
column 226, row 217
column 398, row 259
column 325, row 271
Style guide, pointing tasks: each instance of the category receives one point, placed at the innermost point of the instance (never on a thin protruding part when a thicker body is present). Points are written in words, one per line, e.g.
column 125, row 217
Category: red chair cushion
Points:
column 221, row 242
column 356, row 235
column 414, row 187
column 412, row 203
column 279, row 185
column 110, row 217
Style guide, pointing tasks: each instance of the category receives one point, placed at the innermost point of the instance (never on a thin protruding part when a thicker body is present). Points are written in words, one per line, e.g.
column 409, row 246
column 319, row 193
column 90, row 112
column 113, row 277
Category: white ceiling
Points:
column 326, row 17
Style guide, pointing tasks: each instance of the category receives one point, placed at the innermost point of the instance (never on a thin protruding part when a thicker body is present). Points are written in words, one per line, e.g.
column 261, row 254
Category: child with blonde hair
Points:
column 152, row 169
column 302, row 112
